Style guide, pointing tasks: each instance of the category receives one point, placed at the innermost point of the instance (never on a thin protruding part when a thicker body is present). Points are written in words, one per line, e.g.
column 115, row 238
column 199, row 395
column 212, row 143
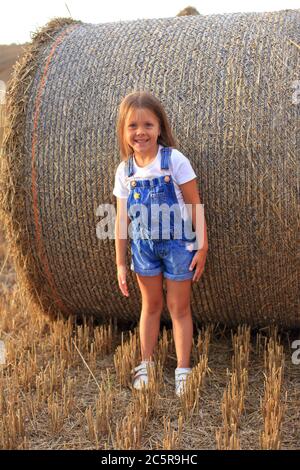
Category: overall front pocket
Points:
column 158, row 196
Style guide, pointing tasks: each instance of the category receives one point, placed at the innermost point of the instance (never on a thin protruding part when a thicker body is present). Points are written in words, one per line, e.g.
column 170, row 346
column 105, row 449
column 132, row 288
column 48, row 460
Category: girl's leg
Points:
column 152, row 304
column 178, row 301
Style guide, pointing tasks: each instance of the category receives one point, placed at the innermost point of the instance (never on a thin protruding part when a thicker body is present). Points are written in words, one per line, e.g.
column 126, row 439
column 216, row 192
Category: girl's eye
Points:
column 148, row 125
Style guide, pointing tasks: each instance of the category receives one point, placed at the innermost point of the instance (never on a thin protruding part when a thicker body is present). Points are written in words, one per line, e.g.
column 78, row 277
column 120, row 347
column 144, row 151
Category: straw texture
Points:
column 226, row 82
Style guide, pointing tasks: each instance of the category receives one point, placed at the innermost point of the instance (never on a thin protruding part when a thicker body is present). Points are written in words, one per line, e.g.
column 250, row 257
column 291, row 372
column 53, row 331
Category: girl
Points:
column 153, row 172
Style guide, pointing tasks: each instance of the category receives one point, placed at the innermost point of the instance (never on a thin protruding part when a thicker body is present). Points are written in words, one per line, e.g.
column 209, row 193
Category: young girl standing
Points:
column 153, row 172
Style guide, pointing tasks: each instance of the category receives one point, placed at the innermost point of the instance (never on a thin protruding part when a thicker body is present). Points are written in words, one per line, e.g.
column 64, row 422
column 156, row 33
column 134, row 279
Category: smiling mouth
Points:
column 141, row 141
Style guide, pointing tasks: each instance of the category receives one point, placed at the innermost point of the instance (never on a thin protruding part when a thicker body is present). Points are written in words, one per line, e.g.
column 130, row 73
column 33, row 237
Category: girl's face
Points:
column 142, row 130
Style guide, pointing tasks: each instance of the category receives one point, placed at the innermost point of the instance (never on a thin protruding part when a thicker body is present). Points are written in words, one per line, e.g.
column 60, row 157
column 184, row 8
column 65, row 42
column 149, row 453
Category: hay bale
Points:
column 226, row 82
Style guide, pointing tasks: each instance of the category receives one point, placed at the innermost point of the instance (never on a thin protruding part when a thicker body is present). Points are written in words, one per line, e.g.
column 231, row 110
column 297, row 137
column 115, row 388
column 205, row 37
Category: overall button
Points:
column 136, row 195
column 167, row 178
column 133, row 184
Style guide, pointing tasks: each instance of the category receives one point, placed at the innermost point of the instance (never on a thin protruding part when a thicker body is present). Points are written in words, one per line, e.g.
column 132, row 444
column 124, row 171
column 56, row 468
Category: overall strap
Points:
column 164, row 164
column 165, row 155
column 129, row 171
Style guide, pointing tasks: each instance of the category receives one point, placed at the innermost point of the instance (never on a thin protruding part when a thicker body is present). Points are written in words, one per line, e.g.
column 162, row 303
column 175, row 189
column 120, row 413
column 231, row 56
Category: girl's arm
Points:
column 121, row 229
column 191, row 196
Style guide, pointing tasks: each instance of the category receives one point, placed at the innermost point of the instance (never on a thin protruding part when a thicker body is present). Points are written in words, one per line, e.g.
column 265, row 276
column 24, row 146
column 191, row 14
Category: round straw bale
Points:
column 229, row 84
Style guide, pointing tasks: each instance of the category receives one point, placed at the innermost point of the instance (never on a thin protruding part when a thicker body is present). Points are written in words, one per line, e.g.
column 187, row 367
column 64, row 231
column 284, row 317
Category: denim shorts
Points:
column 170, row 257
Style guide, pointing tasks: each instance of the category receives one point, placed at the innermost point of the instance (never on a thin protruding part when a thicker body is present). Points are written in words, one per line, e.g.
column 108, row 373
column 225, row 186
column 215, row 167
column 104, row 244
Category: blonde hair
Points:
column 142, row 100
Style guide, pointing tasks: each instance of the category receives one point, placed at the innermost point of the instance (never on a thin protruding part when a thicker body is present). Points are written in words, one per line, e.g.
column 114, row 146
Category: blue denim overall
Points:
column 156, row 246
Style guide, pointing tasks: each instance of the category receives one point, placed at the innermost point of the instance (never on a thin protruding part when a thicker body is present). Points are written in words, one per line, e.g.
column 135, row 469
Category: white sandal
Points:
column 140, row 378
column 181, row 375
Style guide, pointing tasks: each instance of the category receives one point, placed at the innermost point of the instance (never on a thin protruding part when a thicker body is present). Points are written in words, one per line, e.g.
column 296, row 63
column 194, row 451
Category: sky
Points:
column 18, row 18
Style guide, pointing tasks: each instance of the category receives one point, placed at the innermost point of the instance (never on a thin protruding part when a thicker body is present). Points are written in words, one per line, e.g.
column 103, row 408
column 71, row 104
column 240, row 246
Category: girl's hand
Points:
column 198, row 261
column 122, row 280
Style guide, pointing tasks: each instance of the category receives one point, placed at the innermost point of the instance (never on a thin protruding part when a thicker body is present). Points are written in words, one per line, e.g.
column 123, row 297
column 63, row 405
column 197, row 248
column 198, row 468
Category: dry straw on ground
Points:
column 49, row 398
column 233, row 402
column 272, row 403
column 234, row 93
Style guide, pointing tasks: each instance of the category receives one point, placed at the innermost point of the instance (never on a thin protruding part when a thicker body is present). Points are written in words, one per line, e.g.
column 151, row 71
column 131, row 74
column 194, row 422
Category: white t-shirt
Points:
column 179, row 168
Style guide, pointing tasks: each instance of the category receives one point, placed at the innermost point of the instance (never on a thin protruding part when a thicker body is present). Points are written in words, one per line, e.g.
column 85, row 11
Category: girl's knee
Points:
column 178, row 312
column 152, row 309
